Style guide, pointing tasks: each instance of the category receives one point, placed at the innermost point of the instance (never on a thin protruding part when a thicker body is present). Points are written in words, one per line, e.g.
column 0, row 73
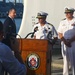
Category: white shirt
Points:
column 43, row 31
column 67, row 28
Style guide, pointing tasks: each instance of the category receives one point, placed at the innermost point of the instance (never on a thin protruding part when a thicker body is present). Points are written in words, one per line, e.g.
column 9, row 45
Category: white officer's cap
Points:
column 41, row 14
column 69, row 9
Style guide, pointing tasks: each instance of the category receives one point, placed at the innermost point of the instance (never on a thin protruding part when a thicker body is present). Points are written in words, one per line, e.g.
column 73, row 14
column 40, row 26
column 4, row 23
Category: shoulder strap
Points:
column 64, row 19
column 50, row 24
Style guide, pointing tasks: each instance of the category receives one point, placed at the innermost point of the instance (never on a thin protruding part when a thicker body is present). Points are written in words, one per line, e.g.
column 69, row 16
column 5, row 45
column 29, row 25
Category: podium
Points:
column 36, row 54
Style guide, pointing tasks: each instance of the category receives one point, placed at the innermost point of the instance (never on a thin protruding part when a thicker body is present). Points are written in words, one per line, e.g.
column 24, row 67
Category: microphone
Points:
column 32, row 33
column 35, row 30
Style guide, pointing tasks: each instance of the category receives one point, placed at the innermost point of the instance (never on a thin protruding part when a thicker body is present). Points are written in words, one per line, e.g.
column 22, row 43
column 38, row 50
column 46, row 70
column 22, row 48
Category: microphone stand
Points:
column 29, row 34
column 36, row 28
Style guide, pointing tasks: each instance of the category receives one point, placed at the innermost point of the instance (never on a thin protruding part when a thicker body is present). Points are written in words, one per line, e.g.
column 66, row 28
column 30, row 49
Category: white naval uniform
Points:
column 67, row 28
column 43, row 31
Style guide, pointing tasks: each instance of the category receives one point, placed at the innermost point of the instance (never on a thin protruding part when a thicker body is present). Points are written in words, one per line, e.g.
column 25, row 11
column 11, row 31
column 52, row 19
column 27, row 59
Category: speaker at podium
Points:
column 36, row 54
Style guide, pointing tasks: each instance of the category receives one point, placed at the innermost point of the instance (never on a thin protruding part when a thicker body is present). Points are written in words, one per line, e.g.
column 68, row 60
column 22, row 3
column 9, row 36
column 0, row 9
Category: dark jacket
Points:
column 9, row 31
column 9, row 26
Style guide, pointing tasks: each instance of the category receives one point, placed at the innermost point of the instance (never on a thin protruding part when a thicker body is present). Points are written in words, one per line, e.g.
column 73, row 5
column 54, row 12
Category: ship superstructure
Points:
column 6, row 5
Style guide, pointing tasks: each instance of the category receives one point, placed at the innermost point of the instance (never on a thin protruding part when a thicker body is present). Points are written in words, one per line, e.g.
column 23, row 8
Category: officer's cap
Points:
column 41, row 15
column 69, row 10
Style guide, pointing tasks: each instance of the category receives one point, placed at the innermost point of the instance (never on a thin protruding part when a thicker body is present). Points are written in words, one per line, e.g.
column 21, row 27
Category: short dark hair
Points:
column 1, row 26
column 11, row 9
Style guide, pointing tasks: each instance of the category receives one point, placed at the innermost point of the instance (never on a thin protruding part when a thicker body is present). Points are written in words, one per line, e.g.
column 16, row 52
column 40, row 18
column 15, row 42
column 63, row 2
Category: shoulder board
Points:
column 50, row 24
column 64, row 19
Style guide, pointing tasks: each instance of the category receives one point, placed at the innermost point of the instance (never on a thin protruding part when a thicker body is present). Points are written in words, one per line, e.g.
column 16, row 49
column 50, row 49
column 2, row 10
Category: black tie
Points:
column 13, row 20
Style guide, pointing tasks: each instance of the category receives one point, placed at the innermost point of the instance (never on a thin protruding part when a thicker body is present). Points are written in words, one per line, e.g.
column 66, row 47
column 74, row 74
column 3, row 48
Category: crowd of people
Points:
column 13, row 64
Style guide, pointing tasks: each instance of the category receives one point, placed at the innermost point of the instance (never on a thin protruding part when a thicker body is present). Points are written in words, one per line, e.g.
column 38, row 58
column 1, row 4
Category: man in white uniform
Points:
column 43, row 29
column 66, row 32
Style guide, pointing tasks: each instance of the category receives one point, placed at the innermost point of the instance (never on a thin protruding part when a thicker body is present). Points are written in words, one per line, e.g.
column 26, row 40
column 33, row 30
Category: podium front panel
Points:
column 37, row 56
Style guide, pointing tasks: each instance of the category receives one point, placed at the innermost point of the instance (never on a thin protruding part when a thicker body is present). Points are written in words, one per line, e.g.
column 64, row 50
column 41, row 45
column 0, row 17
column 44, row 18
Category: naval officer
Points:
column 66, row 32
column 43, row 29
column 9, row 27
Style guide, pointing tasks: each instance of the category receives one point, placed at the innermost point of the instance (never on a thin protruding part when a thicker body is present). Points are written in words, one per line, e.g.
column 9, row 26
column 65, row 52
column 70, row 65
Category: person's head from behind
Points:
column 12, row 13
column 69, row 12
column 42, row 17
column 1, row 31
